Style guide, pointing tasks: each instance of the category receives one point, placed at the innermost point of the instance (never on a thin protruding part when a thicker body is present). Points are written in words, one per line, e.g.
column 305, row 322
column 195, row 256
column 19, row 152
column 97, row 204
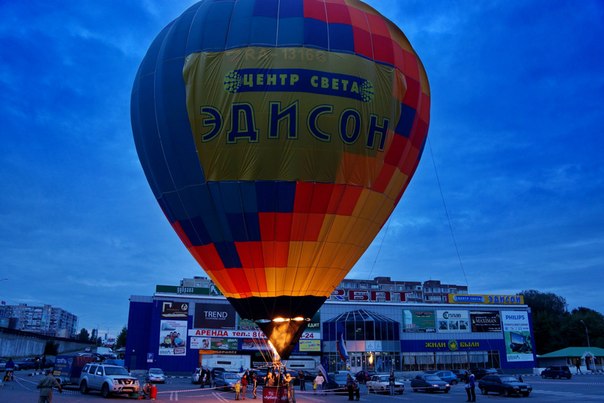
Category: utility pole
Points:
column 586, row 332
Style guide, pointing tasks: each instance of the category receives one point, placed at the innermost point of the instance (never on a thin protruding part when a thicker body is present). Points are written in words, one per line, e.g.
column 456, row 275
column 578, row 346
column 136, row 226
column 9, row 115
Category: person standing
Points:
column 10, row 369
column 237, row 389
column 319, row 382
column 391, row 381
column 243, row 386
column 288, row 381
column 350, row 387
column 46, row 385
column 302, row 380
column 254, row 385
column 578, row 365
column 472, row 388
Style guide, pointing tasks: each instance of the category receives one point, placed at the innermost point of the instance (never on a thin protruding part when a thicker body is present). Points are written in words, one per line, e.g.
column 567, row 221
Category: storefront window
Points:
column 369, row 327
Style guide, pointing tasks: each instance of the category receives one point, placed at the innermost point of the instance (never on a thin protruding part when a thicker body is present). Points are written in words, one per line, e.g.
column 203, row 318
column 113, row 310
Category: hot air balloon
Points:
column 278, row 136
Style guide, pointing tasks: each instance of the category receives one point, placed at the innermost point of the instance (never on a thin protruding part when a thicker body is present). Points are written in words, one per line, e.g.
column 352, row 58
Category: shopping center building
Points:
column 379, row 324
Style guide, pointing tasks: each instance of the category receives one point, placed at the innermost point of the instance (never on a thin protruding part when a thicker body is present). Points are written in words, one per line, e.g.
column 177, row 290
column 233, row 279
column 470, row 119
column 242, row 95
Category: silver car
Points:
column 156, row 375
column 381, row 384
column 109, row 379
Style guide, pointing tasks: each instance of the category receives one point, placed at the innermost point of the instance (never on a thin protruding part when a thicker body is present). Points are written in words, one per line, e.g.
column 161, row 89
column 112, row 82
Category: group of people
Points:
column 248, row 379
column 205, row 377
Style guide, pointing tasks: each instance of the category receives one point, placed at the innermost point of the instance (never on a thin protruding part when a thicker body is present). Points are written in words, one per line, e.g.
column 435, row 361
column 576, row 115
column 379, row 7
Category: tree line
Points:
column 555, row 328
column 86, row 337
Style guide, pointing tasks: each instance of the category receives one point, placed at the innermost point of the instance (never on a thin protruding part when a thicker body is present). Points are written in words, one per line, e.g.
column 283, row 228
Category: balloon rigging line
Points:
column 380, row 247
column 442, row 197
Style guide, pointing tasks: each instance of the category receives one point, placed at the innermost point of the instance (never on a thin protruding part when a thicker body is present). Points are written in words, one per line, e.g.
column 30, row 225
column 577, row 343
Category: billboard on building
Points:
column 174, row 310
column 214, row 316
column 485, row 321
column 495, row 299
column 419, row 321
column 310, row 345
column 517, row 336
column 452, row 321
column 172, row 337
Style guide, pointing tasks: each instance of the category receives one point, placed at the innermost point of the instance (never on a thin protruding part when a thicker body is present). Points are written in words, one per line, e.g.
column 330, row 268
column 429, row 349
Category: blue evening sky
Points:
column 516, row 137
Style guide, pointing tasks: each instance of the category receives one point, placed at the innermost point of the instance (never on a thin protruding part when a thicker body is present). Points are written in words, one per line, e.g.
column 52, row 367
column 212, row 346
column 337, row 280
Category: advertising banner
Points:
column 310, row 345
column 485, row 321
column 246, row 324
column 214, row 316
column 449, row 345
column 174, row 310
column 254, row 344
column 172, row 337
column 517, row 335
column 199, row 343
column 486, row 299
column 452, row 321
column 419, row 321
column 241, row 334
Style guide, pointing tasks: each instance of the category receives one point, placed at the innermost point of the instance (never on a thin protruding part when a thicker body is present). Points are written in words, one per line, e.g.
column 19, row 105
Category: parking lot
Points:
column 581, row 388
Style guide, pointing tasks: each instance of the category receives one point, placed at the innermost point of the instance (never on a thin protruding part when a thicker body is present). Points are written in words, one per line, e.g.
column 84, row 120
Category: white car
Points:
column 381, row 384
column 156, row 375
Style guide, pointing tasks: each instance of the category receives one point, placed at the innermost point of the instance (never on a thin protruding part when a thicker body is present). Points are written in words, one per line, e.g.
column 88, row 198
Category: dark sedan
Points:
column 429, row 383
column 507, row 385
column 26, row 363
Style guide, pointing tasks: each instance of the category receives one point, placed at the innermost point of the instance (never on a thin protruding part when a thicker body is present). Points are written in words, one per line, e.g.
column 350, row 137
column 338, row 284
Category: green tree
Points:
column 550, row 320
column 587, row 325
column 121, row 338
column 83, row 335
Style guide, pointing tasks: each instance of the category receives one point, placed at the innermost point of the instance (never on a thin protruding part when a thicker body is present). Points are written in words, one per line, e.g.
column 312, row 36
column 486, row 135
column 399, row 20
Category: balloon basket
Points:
column 274, row 394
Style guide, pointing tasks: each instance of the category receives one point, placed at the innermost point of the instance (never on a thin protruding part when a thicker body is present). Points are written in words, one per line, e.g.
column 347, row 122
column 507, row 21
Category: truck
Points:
column 68, row 367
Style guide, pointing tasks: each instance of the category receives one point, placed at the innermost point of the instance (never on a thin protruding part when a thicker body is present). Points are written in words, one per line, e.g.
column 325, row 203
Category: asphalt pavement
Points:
column 585, row 389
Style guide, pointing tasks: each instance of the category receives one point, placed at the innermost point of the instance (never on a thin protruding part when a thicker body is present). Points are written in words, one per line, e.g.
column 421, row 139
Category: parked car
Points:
column 109, row 379
column 479, row 373
column 556, row 371
column 381, row 384
column 155, row 375
column 447, row 376
column 429, row 383
column 27, row 363
column 507, row 385
column 226, row 380
column 462, row 374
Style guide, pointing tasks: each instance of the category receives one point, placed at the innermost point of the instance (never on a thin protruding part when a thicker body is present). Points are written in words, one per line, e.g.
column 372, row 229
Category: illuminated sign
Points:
column 341, row 294
column 486, row 299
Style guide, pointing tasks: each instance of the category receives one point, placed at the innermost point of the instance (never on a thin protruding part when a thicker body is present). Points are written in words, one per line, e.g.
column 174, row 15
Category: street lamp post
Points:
column 586, row 332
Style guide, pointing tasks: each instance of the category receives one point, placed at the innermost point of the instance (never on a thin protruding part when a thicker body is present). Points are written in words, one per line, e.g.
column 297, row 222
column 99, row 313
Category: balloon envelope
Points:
column 277, row 137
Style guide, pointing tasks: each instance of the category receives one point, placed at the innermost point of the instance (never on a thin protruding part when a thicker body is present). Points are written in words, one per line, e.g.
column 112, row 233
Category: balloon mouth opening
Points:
column 279, row 319
column 283, row 333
